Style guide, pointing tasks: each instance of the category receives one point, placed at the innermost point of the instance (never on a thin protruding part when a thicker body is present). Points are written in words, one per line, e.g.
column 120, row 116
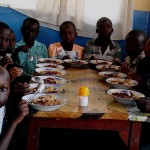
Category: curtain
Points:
column 84, row 14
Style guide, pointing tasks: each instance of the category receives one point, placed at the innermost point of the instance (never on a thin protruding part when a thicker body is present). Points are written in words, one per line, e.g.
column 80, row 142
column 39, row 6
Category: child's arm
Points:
column 23, row 48
column 22, row 111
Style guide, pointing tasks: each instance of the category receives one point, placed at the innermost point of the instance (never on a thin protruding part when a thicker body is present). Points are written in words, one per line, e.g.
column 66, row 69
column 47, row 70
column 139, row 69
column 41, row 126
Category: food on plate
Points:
column 50, row 60
column 50, row 80
column 49, row 89
column 123, row 95
column 112, row 75
column 50, row 72
column 46, row 100
column 127, row 82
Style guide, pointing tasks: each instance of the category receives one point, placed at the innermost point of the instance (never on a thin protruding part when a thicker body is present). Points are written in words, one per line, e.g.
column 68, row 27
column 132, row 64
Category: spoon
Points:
column 38, row 79
column 40, row 88
column 30, row 57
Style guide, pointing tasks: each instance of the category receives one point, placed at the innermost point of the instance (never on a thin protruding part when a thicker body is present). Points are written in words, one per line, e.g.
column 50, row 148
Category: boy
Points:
column 103, row 47
column 66, row 49
column 29, row 47
column 135, row 42
column 20, row 113
column 12, row 43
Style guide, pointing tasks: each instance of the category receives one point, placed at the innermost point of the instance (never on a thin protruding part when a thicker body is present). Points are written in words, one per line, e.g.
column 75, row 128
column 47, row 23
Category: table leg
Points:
column 33, row 134
column 135, row 133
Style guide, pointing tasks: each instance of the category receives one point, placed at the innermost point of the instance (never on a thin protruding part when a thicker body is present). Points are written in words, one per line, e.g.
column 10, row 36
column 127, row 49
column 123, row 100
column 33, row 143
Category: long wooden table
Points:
column 102, row 113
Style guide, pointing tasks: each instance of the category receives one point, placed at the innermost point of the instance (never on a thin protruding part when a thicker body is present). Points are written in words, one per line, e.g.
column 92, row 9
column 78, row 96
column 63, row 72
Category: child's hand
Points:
column 21, row 112
column 14, row 72
column 23, row 48
column 21, row 89
column 124, row 68
column 5, row 61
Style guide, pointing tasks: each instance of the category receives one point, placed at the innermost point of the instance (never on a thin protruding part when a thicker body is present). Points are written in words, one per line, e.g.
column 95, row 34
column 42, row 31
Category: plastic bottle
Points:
column 83, row 96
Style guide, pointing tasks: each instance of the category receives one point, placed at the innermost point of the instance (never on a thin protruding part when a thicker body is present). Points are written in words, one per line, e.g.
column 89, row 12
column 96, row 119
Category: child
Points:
column 66, row 49
column 135, row 42
column 145, row 62
column 103, row 47
column 20, row 113
column 143, row 68
column 29, row 47
column 12, row 44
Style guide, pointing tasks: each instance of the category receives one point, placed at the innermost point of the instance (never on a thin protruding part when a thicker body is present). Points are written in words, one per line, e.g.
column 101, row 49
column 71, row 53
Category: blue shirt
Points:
column 38, row 50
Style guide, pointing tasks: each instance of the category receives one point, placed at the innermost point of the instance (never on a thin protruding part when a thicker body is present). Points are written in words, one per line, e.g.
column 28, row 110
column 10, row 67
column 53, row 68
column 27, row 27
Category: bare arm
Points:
column 5, row 138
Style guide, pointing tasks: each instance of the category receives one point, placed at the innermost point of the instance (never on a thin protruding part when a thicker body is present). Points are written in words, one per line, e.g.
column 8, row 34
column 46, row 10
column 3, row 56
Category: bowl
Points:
column 108, row 67
column 121, row 83
column 48, row 102
column 112, row 74
column 50, row 65
column 143, row 104
column 100, row 62
column 124, row 96
column 53, row 80
column 48, row 88
column 75, row 63
column 50, row 60
column 50, row 71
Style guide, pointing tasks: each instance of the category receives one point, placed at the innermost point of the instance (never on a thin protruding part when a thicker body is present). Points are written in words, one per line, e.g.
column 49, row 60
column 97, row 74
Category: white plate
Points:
column 48, row 89
column 49, row 65
column 121, row 83
column 39, row 107
column 100, row 62
column 75, row 63
column 108, row 67
column 57, row 80
column 112, row 74
column 50, row 60
column 50, row 71
column 126, row 101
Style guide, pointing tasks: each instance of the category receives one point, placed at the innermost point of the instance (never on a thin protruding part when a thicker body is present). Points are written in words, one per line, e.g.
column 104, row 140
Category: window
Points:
column 84, row 13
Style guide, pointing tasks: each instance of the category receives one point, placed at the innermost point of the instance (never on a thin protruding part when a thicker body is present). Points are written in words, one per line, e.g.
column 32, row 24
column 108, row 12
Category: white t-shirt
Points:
column 2, row 114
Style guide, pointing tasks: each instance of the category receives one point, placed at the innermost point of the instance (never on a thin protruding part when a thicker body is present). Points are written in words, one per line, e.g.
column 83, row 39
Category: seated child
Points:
column 29, row 47
column 135, row 42
column 22, row 110
column 66, row 49
column 143, row 68
column 12, row 44
column 103, row 47
column 6, row 61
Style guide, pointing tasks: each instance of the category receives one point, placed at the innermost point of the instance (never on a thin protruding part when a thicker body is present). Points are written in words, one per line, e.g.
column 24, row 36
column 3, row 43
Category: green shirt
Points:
column 38, row 50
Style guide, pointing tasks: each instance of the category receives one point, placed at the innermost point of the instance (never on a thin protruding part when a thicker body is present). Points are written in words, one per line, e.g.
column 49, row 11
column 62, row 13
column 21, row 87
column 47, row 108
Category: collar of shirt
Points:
column 36, row 43
column 2, row 114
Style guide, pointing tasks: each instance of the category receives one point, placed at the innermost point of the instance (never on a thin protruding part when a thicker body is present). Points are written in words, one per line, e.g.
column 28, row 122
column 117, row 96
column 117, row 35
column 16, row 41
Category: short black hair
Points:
column 103, row 19
column 30, row 21
column 66, row 23
column 4, row 26
column 137, row 33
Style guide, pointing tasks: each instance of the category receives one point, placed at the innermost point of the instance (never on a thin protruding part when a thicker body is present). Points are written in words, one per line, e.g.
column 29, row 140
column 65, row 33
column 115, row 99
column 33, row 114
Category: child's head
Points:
column 12, row 42
column 4, row 38
column 135, row 42
column 68, row 32
column 104, row 27
column 4, row 86
column 147, row 48
column 30, row 30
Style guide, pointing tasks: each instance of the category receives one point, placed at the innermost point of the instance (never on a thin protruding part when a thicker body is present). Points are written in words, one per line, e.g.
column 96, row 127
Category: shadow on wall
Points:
column 46, row 35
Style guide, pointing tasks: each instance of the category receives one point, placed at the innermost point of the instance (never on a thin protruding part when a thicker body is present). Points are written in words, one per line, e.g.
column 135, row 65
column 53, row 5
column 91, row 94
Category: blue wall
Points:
column 141, row 20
